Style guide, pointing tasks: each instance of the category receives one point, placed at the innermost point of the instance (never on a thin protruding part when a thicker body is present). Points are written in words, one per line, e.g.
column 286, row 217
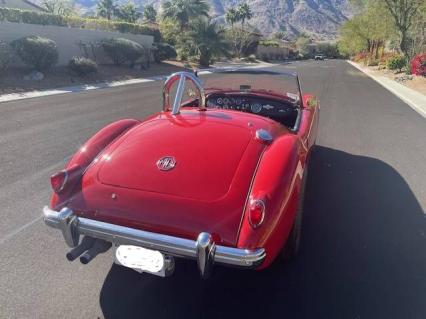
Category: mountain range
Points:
column 318, row 18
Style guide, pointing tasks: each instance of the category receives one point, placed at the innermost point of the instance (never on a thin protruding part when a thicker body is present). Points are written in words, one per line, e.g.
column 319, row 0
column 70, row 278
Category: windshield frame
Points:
column 257, row 71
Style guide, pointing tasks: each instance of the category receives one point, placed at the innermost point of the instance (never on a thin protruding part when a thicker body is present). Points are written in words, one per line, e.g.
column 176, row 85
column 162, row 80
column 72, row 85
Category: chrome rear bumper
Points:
column 204, row 250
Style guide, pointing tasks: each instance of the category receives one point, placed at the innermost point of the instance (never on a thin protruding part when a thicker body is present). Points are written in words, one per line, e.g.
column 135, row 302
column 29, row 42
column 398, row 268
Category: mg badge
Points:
column 166, row 163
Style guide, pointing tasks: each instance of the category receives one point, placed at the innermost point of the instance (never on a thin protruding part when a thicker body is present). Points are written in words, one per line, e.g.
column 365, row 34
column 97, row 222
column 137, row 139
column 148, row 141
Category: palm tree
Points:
column 207, row 40
column 106, row 8
column 244, row 13
column 231, row 16
column 128, row 13
column 182, row 11
column 149, row 13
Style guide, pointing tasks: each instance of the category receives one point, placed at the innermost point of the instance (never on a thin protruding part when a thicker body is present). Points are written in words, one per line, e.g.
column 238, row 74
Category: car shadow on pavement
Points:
column 362, row 256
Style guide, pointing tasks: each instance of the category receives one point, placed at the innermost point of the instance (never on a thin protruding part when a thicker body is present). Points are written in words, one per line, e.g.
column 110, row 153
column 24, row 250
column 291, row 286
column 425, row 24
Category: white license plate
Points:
column 139, row 258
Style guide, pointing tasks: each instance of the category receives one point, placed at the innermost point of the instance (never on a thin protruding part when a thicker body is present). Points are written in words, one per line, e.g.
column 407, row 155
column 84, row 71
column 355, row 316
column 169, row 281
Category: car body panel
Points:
column 220, row 166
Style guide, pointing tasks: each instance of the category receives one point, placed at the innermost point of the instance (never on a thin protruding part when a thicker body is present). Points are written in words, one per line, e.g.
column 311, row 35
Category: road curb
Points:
column 104, row 85
column 414, row 99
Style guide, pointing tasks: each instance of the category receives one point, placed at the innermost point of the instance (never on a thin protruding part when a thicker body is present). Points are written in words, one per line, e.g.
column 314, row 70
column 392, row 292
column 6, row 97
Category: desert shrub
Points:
column 264, row 57
column 37, row 52
column 121, row 50
column 373, row 62
column 396, row 63
column 82, row 66
column 418, row 65
column 164, row 51
column 251, row 58
column 6, row 55
column 360, row 57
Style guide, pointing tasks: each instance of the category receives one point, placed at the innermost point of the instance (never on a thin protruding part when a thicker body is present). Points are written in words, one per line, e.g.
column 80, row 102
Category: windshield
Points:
column 284, row 84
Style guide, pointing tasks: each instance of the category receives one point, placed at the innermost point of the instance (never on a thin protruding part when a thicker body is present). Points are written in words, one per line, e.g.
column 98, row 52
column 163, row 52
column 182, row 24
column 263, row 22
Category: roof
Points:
column 21, row 4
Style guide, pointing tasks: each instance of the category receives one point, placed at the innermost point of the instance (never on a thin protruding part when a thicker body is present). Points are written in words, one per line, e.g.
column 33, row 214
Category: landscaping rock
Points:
column 34, row 76
column 403, row 78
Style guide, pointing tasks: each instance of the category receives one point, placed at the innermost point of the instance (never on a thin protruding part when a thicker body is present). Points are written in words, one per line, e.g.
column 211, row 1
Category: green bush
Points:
column 164, row 51
column 6, row 55
column 121, row 50
column 396, row 63
column 37, row 52
column 44, row 18
column 82, row 66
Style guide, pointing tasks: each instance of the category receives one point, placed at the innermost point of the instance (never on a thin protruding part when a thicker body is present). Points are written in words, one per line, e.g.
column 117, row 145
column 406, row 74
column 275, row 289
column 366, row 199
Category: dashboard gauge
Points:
column 210, row 103
column 238, row 101
column 226, row 101
column 219, row 101
column 256, row 107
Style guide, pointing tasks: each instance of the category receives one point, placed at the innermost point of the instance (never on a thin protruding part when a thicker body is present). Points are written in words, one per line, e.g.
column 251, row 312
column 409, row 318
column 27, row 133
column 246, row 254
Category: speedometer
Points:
column 256, row 107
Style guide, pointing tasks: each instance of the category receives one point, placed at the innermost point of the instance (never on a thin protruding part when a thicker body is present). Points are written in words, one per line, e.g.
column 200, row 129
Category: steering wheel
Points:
column 181, row 77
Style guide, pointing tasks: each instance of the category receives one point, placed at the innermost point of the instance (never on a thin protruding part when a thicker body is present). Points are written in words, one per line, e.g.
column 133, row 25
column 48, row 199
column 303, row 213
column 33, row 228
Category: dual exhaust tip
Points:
column 88, row 249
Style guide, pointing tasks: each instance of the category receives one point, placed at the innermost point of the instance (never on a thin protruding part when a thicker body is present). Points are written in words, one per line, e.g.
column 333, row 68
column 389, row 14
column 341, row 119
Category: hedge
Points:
column 43, row 18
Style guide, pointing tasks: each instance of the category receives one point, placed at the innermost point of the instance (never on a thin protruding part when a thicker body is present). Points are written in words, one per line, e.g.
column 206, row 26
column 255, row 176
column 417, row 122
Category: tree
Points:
column 241, row 40
column 403, row 12
column 244, row 13
column 182, row 11
column 169, row 30
column 231, row 16
column 302, row 44
column 107, row 9
column 207, row 40
column 149, row 13
column 59, row 7
column 367, row 31
column 418, row 32
column 128, row 13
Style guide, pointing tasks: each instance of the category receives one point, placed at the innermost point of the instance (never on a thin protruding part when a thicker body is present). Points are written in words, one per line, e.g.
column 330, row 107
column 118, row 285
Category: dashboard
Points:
column 282, row 111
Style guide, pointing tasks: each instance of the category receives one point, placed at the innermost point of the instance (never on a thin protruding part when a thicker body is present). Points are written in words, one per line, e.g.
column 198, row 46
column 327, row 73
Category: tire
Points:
column 291, row 247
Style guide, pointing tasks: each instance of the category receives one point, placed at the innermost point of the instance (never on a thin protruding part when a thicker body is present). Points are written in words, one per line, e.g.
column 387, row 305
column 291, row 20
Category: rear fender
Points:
column 277, row 183
column 92, row 148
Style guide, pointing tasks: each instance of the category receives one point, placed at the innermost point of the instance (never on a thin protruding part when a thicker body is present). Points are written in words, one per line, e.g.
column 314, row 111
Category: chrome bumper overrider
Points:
column 204, row 250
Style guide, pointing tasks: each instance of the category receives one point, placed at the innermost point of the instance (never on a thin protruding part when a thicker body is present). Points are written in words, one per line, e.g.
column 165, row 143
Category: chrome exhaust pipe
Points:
column 100, row 246
column 85, row 244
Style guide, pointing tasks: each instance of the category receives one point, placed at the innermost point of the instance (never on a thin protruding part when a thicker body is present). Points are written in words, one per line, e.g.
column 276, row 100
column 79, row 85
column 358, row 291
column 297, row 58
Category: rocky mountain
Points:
column 318, row 18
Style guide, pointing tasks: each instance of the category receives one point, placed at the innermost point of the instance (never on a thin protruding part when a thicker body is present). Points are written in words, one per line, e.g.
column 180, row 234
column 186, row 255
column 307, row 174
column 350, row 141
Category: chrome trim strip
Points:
column 72, row 227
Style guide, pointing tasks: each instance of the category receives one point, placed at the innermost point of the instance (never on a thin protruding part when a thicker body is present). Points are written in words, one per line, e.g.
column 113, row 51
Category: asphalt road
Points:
column 363, row 251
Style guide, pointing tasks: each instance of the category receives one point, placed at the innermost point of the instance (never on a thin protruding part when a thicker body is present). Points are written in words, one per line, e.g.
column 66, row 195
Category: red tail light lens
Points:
column 58, row 181
column 256, row 213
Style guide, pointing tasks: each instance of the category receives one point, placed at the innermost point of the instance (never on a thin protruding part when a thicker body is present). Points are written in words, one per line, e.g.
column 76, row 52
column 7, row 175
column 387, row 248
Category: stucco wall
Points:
column 272, row 52
column 67, row 39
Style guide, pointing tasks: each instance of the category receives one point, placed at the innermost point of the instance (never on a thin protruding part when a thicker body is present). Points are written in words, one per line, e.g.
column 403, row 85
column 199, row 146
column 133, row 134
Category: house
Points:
column 20, row 4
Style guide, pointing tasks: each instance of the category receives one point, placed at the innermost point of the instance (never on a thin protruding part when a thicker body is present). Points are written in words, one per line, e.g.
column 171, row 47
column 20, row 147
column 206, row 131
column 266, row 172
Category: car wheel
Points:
column 293, row 241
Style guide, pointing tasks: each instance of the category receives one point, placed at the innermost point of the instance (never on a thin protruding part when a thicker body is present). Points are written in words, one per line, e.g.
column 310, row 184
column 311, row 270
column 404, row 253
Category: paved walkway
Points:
column 413, row 98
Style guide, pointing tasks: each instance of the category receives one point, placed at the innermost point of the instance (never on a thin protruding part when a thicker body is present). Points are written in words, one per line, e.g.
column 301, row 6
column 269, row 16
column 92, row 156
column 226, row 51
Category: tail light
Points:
column 256, row 213
column 66, row 178
column 59, row 180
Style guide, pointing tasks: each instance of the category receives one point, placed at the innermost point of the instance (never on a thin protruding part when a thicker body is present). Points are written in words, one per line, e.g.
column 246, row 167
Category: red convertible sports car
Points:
column 217, row 176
